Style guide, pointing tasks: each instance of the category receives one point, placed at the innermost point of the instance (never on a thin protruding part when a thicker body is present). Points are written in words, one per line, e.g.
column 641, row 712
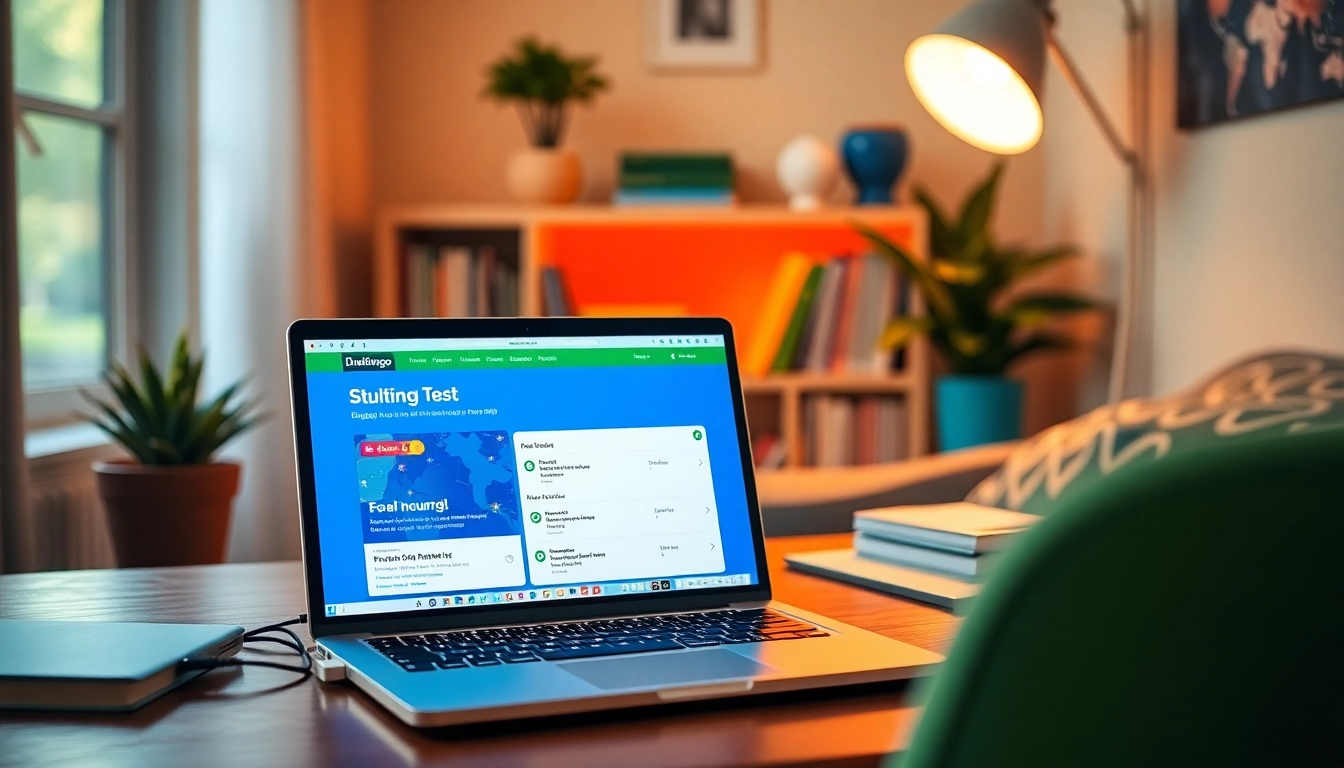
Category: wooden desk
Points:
column 230, row 717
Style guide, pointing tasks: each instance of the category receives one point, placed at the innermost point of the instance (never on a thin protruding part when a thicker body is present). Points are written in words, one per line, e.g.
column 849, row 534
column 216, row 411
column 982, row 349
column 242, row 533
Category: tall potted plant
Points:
column 978, row 323
column 170, row 504
column 541, row 82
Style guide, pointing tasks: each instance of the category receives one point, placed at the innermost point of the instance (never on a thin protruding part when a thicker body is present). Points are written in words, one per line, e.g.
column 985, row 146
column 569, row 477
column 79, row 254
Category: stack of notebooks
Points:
column 936, row 553
column 456, row 281
column 648, row 179
column 825, row 316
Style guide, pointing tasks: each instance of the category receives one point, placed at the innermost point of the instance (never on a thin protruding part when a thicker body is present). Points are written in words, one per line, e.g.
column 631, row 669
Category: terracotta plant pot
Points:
column 167, row 515
column 547, row 176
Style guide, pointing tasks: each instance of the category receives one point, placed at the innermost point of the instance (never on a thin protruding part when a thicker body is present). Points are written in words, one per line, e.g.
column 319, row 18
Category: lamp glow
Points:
column 974, row 93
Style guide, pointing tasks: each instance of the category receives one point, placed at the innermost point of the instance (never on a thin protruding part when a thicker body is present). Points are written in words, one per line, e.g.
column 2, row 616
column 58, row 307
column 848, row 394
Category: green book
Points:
column 794, row 332
column 713, row 164
column 654, row 180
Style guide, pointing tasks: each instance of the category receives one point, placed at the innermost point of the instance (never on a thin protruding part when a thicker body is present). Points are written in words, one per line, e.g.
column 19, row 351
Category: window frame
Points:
column 48, row 406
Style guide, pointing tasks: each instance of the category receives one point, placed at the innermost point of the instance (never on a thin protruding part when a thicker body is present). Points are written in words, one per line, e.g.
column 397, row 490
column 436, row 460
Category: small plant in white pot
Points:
column 171, row 502
column 541, row 83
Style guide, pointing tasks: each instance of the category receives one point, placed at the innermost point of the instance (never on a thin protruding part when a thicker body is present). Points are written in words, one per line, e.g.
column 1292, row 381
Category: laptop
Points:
column 508, row 518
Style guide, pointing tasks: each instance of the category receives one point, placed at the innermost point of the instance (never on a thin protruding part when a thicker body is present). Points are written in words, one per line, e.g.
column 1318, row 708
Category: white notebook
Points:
column 962, row 527
column 924, row 586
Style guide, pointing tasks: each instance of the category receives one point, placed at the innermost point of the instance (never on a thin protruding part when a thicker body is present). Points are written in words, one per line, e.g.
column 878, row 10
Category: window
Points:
column 71, row 163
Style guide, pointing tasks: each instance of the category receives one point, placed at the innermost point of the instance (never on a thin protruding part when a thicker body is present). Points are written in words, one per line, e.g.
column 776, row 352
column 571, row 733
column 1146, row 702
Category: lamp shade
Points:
column 980, row 74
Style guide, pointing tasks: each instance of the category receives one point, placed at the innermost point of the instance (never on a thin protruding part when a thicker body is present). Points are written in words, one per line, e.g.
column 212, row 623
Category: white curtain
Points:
column 250, row 225
column 15, row 544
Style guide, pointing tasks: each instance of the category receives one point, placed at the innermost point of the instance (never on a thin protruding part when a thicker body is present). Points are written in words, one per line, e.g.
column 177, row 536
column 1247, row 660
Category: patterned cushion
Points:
column 1268, row 396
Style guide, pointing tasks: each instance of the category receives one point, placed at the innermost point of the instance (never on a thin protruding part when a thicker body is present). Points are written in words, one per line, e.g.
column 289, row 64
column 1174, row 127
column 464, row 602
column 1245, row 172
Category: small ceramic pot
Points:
column 875, row 157
column 550, row 176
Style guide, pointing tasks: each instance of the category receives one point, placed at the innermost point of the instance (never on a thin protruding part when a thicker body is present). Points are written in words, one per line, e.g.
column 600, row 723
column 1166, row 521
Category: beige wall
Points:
column 829, row 63
column 1249, row 229
column 338, row 164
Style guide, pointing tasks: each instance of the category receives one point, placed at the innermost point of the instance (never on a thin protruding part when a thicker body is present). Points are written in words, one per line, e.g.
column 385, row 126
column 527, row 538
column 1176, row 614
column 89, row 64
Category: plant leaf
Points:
column 119, row 380
column 967, row 343
column 942, row 238
column 935, row 293
column 1037, row 342
column 976, row 212
column 151, row 387
column 1036, row 309
column 958, row 272
column 1021, row 265
column 902, row 330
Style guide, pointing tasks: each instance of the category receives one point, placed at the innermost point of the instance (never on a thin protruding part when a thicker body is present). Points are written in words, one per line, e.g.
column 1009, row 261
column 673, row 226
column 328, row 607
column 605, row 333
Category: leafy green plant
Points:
column 541, row 81
column 974, row 319
column 160, row 419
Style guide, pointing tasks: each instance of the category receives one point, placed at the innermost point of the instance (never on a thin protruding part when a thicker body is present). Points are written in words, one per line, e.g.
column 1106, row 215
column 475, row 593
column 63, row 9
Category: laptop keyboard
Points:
column 576, row 640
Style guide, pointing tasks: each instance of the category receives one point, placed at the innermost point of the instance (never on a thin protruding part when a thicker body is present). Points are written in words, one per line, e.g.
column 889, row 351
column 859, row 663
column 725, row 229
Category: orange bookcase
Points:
column 699, row 261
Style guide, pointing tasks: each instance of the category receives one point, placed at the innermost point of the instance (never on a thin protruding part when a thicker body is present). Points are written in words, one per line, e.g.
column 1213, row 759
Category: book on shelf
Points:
column 829, row 319
column 675, row 179
column 793, row 332
column 849, row 430
column 960, row 528
column 627, row 198
column 555, row 293
column 780, row 298
column 458, row 281
column 769, row 451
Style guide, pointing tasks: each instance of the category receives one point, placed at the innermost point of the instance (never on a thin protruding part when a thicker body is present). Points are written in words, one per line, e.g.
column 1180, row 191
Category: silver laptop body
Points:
column 525, row 517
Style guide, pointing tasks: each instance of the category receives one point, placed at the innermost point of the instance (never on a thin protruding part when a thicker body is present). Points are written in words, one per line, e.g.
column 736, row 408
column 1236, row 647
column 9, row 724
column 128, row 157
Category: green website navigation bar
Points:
column 440, row 360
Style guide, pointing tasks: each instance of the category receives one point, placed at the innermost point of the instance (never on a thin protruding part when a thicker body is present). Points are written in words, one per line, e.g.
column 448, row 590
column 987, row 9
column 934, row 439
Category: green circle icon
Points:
column 536, row 517
column 530, row 465
column 540, row 556
column 697, row 434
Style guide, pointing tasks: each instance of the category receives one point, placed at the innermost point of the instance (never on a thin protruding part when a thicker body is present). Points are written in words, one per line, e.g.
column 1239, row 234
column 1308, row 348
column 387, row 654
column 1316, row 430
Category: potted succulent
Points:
column 541, row 82
column 170, row 504
column 978, row 323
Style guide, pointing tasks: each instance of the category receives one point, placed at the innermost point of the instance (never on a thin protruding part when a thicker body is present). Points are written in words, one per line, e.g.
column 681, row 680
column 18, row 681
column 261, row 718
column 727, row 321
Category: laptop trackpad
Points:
column 664, row 670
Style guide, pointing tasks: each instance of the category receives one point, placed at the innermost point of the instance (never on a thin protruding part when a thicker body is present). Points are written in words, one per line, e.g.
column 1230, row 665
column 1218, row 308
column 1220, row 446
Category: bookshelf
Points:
column 702, row 261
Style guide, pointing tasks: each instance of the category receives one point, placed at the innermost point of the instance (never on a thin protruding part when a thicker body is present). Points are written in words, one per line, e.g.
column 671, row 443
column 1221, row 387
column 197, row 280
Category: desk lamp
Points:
column 981, row 75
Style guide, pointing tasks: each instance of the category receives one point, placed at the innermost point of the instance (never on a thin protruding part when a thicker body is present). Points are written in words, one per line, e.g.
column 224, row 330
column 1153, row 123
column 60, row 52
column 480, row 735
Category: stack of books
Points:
column 648, row 179
column 936, row 553
column 456, row 281
column 826, row 316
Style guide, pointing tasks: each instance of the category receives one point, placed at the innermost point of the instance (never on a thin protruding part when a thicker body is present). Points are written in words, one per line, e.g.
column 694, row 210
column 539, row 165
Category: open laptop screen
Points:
column 466, row 472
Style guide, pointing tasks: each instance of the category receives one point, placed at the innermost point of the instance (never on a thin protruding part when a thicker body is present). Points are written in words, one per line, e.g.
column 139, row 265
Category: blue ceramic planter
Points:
column 975, row 410
column 874, row 159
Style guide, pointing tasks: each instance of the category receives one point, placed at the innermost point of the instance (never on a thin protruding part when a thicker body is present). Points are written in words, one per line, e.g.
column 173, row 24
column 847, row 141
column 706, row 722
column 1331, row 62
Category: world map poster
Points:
column 1244, row 57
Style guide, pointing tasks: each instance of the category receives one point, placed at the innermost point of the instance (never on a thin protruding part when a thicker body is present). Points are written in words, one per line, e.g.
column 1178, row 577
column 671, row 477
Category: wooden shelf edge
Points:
column 474, row 215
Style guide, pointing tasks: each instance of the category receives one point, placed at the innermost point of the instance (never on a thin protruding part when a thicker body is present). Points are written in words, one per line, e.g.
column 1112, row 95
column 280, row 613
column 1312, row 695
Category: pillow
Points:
column 1271, row 395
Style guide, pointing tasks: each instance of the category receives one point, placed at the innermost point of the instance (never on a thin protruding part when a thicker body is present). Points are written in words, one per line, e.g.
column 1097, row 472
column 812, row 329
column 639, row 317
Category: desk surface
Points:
column 233, row 716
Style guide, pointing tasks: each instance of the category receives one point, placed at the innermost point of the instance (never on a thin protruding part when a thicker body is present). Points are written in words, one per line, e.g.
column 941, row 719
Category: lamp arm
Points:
column 1071, row 73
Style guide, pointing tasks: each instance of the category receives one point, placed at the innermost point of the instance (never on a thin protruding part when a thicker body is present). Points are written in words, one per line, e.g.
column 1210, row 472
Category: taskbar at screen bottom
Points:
column 535, row 595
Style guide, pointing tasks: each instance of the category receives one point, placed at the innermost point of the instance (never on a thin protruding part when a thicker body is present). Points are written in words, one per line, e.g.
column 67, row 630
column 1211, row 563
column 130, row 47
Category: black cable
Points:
column 262, row 635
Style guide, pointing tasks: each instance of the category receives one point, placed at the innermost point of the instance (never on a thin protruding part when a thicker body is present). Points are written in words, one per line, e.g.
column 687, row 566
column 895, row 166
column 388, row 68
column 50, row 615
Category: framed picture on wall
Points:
column 703, row 34
column 1245, row 57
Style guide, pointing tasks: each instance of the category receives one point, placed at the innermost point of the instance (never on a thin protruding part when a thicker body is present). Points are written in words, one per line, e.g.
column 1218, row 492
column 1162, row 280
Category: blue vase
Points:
column 975, row 410
column 874, row 159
